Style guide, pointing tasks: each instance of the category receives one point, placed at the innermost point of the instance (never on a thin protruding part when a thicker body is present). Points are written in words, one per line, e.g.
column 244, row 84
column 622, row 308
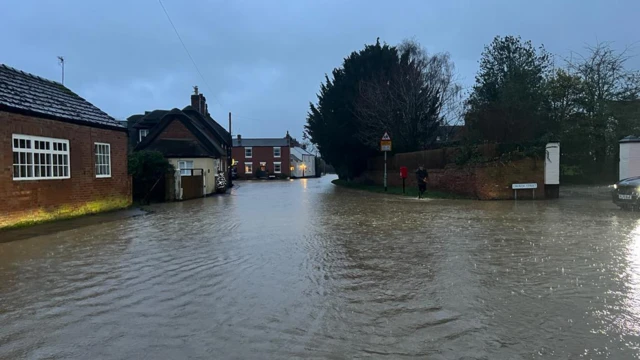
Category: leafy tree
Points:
column 146, row 167
column 507, row 103
column 332, row 124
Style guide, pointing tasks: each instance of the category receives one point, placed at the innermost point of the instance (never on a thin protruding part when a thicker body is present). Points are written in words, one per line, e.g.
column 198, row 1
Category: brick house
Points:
column 262, row 157
column 60, row 156
column 192, row 141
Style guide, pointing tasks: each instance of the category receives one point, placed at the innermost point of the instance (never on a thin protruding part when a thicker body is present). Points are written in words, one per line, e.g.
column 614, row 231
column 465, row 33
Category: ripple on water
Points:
column 300, row 270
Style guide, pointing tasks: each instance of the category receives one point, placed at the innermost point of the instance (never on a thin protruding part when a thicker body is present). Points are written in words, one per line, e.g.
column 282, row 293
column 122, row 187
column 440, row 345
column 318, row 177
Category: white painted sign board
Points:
column 524, row 186
column 552, row 164
column 629, row 158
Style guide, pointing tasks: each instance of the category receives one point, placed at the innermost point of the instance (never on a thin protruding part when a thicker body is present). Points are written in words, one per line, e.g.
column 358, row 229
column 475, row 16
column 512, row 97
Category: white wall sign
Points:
column 524, row 186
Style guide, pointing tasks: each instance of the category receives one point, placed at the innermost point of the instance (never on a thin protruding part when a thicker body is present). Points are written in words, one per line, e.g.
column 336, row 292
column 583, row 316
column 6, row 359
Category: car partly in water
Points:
column 626, row 193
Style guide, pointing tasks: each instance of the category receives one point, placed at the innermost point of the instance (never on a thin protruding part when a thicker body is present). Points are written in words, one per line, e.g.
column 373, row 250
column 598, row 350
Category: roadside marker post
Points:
column 385, row 146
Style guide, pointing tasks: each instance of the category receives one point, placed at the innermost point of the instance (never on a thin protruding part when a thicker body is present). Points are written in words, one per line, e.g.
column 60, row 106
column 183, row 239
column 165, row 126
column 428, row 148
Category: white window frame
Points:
column 32, row 155
column 142, row 131
column 279, row 164
column 279, row 152
column 250, row 151
column 249, row 164
column 106, row 157
column 185, row 167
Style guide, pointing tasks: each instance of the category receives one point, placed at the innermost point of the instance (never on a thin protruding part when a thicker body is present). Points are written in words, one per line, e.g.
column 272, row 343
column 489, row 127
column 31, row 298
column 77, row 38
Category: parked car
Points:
column 626, row 193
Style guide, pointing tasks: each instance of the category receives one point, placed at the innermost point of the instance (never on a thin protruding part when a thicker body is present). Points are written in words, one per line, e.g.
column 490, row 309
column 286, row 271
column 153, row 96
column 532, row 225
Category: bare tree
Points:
column 607, row 89
column 413, row 101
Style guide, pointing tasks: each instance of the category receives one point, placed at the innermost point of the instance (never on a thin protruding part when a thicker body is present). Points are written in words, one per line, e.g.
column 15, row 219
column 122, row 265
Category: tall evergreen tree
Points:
column 332, row 124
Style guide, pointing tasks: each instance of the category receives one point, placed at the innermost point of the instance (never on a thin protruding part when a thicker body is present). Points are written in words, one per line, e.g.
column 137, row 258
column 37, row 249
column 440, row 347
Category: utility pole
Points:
column 61, row 61
column 230, row 153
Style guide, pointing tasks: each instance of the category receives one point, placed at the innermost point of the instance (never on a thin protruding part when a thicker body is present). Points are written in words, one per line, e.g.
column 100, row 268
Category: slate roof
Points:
column 260, row 142
column 33, row 95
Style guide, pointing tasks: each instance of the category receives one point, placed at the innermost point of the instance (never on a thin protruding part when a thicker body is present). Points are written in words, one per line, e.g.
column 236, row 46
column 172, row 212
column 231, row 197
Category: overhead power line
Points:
column 188, row 53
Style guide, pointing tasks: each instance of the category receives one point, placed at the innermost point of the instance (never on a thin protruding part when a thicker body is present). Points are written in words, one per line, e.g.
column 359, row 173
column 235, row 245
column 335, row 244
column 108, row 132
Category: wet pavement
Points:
column 303, row 269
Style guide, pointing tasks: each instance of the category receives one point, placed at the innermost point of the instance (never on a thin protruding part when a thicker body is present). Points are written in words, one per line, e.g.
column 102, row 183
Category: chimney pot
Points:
column 239, row 137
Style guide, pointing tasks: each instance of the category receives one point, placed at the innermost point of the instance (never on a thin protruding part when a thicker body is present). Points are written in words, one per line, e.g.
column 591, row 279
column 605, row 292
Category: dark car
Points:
column 626, row 193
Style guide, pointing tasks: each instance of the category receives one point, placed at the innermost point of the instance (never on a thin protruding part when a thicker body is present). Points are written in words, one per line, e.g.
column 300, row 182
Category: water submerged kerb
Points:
column 66, row 211
column 485, row 181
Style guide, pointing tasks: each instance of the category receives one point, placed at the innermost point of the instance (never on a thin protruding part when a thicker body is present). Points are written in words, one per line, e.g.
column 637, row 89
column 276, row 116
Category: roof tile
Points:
column 24, row 91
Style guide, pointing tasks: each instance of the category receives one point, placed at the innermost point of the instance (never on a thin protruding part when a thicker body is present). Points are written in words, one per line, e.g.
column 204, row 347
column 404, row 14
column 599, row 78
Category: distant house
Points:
column 303, row 163
column 262, row 157
column 192, row 141
column 68, row 157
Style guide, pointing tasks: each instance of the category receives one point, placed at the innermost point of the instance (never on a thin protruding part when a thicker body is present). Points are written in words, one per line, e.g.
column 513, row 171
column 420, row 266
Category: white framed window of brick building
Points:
column 186, row 167
column 248, row 168
column 40, row 158
column 102, row 153
column 248, row 152
column 277, row 151
column 277, row 167
column 142, row 133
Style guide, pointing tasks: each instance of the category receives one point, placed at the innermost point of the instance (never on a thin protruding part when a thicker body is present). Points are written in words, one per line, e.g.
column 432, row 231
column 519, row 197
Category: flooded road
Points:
column 303, row 269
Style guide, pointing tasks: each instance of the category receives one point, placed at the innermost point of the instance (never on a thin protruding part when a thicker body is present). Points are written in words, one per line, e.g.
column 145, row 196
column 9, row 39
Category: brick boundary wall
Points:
column 485, row 181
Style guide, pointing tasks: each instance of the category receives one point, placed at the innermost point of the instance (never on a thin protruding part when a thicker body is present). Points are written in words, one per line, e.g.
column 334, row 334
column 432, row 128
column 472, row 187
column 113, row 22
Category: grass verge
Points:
column 397, row 190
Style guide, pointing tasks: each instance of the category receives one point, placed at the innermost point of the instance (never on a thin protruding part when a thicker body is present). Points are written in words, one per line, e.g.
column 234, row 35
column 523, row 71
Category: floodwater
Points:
column 303, row 269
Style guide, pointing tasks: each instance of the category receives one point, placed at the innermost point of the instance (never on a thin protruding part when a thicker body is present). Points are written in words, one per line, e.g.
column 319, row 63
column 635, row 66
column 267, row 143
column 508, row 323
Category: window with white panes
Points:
column 248, row 168
column 186, row 167
column 277, row 151
column 103, row 159
column 277, row 168
column 40, row 158
column 142, row 133
column 248, row 152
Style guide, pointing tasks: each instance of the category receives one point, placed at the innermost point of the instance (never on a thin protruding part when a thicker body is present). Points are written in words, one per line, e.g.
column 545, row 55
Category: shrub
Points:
column 146, row 167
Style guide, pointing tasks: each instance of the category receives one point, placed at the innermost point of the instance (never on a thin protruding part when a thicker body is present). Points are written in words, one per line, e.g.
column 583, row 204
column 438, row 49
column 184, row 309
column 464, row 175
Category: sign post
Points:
column 530, row 186
column 385, row 146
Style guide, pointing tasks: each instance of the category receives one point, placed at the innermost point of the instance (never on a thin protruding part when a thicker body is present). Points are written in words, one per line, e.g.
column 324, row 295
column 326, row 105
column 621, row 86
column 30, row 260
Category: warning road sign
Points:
column 386, row 137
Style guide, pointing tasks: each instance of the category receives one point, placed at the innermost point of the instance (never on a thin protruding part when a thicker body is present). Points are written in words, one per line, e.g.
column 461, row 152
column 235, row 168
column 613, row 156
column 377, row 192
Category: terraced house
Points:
column 60, row 155
column 261, row 158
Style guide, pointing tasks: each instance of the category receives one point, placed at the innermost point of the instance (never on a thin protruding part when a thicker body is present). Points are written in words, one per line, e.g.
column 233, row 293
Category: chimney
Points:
column 199, row 102
column 239, row 139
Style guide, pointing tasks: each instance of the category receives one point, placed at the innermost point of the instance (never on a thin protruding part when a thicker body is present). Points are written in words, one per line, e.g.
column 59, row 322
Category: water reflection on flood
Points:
column 304, row 269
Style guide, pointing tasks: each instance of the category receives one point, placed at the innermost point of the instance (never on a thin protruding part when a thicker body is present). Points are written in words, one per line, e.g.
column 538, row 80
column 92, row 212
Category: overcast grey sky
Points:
column 264, row 60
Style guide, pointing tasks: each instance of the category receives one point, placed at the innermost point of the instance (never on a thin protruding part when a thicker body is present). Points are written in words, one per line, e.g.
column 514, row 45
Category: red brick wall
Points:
column 490, row 181
column 23, row 198
column 176, row 130
column 262, row 154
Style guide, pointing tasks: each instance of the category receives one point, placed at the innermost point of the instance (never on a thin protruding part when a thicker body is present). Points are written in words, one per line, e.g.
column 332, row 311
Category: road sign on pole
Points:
column 385, row 142
column 385, row 146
